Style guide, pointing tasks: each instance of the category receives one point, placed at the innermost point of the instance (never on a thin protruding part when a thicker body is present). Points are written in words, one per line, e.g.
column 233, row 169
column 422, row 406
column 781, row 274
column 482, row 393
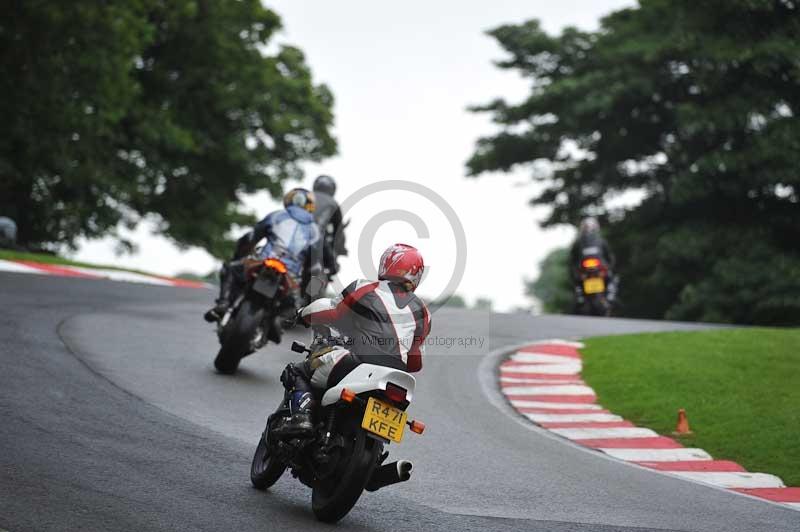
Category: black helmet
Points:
column 589, row 225
column 325, row 184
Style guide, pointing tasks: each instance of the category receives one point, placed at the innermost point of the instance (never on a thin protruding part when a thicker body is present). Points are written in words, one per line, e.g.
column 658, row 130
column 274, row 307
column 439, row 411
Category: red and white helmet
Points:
column 401, row 262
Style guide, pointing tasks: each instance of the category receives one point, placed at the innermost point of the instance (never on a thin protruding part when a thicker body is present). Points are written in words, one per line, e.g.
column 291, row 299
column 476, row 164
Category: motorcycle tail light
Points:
column 590, row 263
column 395, row 393
column 276, row 265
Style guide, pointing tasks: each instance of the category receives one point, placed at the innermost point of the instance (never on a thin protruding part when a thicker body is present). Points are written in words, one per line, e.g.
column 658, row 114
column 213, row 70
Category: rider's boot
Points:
column 299, row 424
column 276, row 329
column 612, row 289
column 286, row 317
column 223, row 301
column 216, row 312
column 300, row 401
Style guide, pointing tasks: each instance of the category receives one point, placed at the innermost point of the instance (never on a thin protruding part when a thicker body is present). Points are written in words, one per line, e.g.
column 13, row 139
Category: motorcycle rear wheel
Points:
column 332, row 501
column 598, row 306
column 236, row 340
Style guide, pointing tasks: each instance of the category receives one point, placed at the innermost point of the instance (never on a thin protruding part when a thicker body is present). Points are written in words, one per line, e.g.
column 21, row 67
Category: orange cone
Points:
column 682, row 428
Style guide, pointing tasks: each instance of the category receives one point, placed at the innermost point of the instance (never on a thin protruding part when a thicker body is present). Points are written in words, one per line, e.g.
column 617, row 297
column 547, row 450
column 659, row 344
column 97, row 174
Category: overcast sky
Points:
column 403, row 74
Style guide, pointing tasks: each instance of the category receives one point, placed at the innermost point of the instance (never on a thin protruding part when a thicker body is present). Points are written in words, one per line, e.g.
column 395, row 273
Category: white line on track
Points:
column 793, row 505
column 658, row 455
column 563, row 389
column 541, row 358
column 556, row 341
column 520, row 380
column 733, row 479
column 521, row 403
column 591, row 433
column 117, row 275
column 571, row 418
column 549, row 369
column 9, row 266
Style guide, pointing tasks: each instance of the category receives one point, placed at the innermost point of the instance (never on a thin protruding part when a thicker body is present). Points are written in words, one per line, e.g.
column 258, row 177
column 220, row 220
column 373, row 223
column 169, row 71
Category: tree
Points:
column 483, row 303
column 692, row 103
column 553, row 287
column 112, row 111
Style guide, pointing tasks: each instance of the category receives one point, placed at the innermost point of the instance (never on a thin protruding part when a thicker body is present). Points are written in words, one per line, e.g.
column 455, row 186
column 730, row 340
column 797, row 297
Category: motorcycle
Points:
column 253, row 318
column 355, row 419
column 592, row 295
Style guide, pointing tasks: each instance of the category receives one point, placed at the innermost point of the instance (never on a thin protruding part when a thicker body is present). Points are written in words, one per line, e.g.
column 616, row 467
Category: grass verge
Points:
column 740, row 389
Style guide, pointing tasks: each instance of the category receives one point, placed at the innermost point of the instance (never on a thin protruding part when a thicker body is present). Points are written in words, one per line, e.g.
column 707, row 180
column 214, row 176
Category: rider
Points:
column 8, row 233
column 590, row 243
column 387, row 325
column 291, row 237
column 329, row 218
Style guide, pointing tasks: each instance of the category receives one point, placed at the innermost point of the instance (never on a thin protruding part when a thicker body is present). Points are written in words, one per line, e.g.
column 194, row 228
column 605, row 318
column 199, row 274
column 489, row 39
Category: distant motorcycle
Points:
column 354, row 420
column 592, row 294
column 253, row 318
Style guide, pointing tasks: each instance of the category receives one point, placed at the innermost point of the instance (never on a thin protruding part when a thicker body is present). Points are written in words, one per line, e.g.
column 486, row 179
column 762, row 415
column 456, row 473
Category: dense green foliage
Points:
column 742, row 405
column 553, row 286
column 115, row 110
column 692, row 103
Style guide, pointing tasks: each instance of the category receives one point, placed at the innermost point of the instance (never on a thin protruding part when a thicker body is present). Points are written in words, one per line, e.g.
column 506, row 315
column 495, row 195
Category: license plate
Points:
column 384, row 420
column 594, row 285
column 266, row 287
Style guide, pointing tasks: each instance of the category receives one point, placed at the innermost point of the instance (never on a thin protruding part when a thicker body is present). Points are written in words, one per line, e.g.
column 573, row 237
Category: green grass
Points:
column 740, row 389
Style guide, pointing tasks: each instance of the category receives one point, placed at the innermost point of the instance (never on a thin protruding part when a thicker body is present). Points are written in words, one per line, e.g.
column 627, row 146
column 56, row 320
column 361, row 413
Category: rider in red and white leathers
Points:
column 386, row 322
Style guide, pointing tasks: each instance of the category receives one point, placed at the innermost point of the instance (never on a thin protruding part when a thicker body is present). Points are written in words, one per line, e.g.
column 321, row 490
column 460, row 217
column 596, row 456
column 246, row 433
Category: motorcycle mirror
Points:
column 299, row 347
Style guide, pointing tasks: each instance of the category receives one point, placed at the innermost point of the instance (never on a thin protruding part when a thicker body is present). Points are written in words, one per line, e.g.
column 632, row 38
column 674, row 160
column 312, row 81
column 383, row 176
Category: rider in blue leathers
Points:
column 292, row 236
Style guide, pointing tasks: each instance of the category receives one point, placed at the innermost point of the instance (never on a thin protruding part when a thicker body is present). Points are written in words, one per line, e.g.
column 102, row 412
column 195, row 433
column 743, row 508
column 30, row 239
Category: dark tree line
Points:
column 111, row 111
column 693, row 103
column 553, row 287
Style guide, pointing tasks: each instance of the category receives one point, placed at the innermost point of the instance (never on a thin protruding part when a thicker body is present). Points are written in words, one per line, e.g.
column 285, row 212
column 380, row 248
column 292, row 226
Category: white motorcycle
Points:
column 355, row 419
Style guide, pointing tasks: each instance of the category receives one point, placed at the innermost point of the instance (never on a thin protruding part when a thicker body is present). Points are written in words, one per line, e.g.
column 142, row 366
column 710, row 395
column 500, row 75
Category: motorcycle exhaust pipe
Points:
column 389, row 474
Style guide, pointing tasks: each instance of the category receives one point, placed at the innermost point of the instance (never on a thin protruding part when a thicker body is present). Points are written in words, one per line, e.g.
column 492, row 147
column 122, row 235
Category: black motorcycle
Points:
column 591, row 297
column 254, row 317
column 354, row 421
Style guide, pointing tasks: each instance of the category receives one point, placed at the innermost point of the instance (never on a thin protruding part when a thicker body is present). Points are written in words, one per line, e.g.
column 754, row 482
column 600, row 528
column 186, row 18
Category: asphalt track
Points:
column 111, row 418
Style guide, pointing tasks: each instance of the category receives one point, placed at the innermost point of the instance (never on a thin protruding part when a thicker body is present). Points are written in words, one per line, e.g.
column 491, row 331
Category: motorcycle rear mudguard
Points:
column 596, row 305
column 368, row 377
column 266, row 286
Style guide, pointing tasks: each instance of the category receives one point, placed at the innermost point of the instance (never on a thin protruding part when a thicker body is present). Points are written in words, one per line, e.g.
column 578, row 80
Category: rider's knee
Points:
column 294, row 377
column 329, row 365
